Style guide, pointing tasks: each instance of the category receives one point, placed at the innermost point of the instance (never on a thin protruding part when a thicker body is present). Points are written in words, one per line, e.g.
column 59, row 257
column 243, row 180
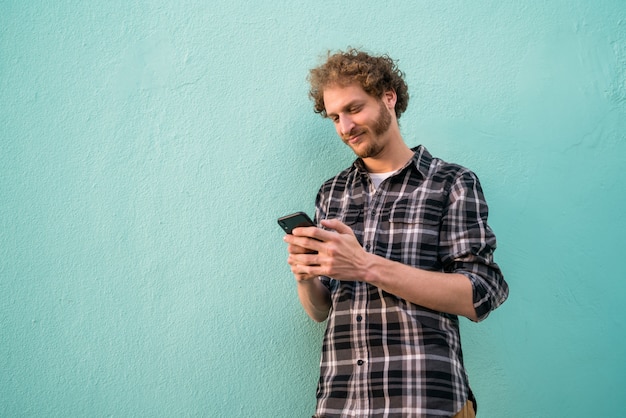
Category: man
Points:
column 404, row 249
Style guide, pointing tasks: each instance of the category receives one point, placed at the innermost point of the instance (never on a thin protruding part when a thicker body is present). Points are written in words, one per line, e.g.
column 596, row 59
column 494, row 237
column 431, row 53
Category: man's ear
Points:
column 389, row 99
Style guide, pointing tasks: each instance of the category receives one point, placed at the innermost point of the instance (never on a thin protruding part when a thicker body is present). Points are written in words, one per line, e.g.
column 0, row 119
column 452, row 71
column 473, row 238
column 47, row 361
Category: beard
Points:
column 383, row 122
column 378, row 128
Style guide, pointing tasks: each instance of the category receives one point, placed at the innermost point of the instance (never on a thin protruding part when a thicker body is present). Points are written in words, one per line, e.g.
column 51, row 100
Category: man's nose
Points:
column 345, row 125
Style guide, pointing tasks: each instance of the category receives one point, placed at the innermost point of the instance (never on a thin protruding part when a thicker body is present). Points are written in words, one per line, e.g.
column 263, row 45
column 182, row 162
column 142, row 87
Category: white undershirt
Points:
column 378, row 178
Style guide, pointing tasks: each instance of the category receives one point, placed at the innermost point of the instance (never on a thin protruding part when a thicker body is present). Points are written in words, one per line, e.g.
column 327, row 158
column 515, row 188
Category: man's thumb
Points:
column 337, row 225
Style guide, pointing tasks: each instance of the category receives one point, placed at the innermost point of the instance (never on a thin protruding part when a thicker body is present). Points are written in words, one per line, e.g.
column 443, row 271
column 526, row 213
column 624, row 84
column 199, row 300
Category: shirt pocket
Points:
column 413, row 235
column 351, row 216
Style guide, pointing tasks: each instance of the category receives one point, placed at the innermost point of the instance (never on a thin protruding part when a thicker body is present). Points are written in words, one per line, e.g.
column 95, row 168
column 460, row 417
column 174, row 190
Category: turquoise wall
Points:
column 146, row 149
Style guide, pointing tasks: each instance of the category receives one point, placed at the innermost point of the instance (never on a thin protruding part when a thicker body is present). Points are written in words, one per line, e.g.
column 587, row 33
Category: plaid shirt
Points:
column 383, row 356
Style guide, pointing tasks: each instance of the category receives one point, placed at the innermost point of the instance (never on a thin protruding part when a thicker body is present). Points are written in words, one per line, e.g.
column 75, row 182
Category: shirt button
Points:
column 360, row 362
column 359, row 318
column 367, row 247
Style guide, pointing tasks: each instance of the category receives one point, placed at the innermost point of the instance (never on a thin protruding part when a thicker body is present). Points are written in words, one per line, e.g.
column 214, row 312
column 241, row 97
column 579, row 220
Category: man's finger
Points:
column 337, row 225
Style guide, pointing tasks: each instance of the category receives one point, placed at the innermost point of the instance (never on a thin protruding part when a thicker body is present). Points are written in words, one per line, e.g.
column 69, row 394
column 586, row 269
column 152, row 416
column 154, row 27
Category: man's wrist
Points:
column 308, row 281
column 369, row 271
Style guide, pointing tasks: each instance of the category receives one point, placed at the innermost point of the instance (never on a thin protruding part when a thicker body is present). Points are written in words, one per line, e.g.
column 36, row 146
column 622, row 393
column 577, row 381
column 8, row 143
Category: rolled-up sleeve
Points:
column 467, row 243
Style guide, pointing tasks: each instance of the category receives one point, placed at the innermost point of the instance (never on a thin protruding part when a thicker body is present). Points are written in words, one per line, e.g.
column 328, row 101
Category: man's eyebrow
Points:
column 347, row 106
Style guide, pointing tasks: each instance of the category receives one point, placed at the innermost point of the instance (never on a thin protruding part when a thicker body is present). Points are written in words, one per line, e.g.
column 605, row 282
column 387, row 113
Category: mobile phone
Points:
column 295, row 220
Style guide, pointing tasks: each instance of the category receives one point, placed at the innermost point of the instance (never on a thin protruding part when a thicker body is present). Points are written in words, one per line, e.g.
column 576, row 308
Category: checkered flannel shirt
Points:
column 383, row 356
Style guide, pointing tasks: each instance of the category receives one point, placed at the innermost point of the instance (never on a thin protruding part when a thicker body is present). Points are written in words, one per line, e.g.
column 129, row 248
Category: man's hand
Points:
column 308, row 249
column 294, row 251
column 340, row 256
column 317, row 252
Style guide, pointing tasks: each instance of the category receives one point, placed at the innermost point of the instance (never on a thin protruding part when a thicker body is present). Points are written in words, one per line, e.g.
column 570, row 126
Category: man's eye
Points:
column 355, row 109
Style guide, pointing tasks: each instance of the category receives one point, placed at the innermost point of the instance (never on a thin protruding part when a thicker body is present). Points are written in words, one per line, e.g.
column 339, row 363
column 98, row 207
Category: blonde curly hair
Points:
column 375, row 74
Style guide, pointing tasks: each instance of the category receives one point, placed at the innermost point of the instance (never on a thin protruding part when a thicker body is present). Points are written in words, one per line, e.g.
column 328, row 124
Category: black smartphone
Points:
column 295, row 220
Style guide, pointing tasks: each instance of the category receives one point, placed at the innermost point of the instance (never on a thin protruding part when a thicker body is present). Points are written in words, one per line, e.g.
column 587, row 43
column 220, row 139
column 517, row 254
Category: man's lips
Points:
column 352, row 139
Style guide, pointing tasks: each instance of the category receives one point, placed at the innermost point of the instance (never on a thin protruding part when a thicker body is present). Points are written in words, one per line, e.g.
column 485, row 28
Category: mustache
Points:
column 352, row 133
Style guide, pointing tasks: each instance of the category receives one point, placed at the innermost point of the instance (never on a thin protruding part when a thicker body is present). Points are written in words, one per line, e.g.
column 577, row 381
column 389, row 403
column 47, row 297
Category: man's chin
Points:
column 357, row 149
column 363, row 152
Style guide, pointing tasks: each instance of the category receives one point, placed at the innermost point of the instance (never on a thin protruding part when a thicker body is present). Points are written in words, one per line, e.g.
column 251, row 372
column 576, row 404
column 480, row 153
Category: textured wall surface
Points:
column 146, row 149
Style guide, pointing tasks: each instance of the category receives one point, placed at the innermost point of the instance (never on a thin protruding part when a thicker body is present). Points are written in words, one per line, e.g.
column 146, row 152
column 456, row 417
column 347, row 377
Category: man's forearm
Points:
column 315, row 298
column 443, row 292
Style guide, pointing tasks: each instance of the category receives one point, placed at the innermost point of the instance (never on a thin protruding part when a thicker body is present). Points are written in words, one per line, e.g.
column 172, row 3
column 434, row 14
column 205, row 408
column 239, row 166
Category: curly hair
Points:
column 375, row 75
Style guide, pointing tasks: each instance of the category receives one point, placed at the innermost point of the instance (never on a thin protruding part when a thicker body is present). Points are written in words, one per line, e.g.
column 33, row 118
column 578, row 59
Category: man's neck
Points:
column 393, row 157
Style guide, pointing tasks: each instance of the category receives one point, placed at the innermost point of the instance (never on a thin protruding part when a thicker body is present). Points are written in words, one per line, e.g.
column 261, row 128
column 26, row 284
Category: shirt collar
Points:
column 421, row 161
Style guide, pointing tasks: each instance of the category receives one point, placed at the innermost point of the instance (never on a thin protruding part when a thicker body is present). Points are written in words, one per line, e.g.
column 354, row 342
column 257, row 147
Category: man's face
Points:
column 360, row 119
